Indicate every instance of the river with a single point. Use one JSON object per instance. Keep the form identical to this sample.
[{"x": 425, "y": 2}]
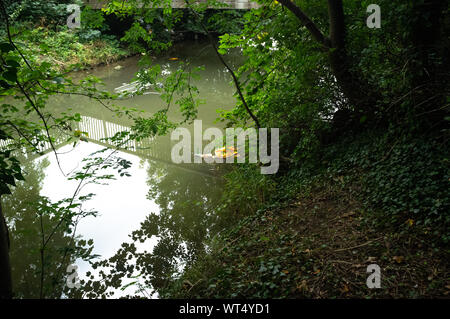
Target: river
[{"x": 181, "y": 197}]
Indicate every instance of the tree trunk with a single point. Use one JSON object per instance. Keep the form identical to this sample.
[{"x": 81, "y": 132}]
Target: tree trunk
[
  {"x": 430, "y": 63},
  {"x": 5, "y": 267},
  {"x": 355, "y": 89}
]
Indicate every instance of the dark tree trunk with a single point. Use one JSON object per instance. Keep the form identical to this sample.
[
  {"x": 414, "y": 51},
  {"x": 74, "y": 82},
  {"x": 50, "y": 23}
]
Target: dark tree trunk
[
  {"x": 5, "y": 267},
  {"x": 355, "y": 89},
  {"x": 429, "y": 68}
]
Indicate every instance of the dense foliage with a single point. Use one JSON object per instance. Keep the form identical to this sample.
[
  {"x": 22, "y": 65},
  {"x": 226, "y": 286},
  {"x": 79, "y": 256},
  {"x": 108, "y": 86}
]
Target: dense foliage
[{"x": 363, "y": 116}]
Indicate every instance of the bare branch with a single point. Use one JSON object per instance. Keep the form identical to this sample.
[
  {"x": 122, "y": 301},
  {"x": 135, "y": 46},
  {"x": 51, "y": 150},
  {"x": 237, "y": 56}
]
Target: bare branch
[{"x": 233, "y": 75}]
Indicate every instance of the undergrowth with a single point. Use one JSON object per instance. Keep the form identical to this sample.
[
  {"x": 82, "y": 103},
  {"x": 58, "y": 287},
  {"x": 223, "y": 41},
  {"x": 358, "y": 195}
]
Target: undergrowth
[
  {"x": 65, "y": 48},
  {"x": 375, "y": 198}
]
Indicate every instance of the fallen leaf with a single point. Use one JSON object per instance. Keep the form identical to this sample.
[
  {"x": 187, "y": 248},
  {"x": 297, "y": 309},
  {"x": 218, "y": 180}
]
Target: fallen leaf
[
  {"x": 345, "y": 289},
  {"x": 398, "y": 259}
]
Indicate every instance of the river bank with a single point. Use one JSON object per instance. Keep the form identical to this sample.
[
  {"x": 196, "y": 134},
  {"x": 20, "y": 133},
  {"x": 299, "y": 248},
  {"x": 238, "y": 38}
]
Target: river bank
[
  {"x": 73, "y": 51},
  {"x": 315, "y": 230}
]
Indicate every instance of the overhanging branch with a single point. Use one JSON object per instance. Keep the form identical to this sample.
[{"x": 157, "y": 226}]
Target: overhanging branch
[{"x": 307, "y": 22}]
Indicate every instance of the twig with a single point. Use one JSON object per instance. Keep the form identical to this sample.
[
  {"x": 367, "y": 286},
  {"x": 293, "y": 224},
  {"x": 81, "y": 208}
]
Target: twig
[{"x": 366, "y": 243}]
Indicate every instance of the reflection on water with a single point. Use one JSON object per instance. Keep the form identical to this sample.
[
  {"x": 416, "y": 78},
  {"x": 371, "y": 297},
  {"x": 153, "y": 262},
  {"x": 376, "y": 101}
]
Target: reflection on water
[
  {"x": 168, "y": 238},
  {"x": 162, "y": 212},
  {"x": 24, "y": 227}
]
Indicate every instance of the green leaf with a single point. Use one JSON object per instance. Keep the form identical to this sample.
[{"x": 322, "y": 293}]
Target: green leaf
[
  {"x": 8, "y": 179},
  {"x": 222, "y": 51},
  {"x": 6, "y": 47},
  {"x": 13, "y": 63},
  {"x": 19, "y": 176},
  {"x": 10, "y": 75},
  {"x": 4, "y": 189}
]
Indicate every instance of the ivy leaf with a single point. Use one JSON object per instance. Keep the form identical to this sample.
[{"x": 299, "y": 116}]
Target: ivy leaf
[
  {"x": 10, "y": 75},
  {"x": 5, "y": 47}
]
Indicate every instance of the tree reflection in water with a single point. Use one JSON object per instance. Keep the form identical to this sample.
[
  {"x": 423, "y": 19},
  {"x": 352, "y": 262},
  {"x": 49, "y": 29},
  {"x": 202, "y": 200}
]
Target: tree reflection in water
[
  {"x": 166, "y": 241},
  {"x": 22, "y": 210}
]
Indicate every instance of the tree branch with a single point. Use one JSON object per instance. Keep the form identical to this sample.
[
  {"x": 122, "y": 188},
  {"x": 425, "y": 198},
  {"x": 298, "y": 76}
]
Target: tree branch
[
  {"x": 307, "y": 22},
  {"x": 233, "y": 75}
]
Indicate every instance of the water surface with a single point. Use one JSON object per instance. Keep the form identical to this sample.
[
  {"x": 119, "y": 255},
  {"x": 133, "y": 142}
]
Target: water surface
[{"x": 183, "y": 196}]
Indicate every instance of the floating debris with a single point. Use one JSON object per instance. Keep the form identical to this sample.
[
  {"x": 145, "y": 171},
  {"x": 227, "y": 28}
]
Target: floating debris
[
  {"x": 222, "y": 152},
  {"x": 226, "y": 152},
  {"x": 133, "y": 87}
]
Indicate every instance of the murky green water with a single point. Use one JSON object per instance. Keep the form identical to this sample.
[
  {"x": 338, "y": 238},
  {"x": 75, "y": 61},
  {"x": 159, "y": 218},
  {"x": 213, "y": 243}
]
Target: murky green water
[{"x": 182, "y": 199}]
